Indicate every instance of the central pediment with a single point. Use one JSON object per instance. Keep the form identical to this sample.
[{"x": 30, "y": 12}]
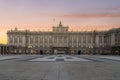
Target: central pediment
[{"x": 60, "y": 28}]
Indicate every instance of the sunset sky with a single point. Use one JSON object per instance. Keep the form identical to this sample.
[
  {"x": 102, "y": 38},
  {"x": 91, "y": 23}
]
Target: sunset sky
[{"x": 43, "y": 14}]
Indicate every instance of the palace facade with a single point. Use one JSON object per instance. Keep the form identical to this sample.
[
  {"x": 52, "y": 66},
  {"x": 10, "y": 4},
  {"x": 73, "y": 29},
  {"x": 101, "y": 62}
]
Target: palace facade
[{"x": 62, "y": 41}]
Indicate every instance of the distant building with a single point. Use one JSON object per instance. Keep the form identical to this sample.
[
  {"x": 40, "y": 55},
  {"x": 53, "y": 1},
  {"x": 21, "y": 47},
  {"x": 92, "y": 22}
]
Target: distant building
[
  {"x": 4, "y": 49},
  {"x": 61, "y": 40}
]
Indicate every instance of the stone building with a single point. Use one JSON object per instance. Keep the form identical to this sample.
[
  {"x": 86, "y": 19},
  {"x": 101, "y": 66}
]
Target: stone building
[
  {"x": 4, "y": 49},
  {"x": 62, "y": 41}
]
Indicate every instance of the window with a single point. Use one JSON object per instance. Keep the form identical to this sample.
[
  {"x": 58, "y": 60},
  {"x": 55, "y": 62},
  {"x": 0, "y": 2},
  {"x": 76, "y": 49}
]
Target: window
[
  {"x": 100, "y": 39},
  {"x": 10, "y": 39},
  {"x": 31, "y": 40},
  {"x": 79, "y": 39},
  {"x": 36, "y": 39},
  {"x": 89, "y": 39},
  {"x": 119, "y": 38},
  {"x": 105, "y": 39},
  {"x": 20, "y": 39},
  {"x": 15, "y": 40},
  {"x": 84, "y": 39}
]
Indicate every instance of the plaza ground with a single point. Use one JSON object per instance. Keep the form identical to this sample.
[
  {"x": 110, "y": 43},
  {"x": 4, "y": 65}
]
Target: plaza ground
[{"x": 59, "y": 67}]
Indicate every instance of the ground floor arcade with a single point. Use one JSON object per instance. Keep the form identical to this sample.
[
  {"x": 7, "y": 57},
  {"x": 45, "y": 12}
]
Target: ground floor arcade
[{"x": 114, "y": 50}]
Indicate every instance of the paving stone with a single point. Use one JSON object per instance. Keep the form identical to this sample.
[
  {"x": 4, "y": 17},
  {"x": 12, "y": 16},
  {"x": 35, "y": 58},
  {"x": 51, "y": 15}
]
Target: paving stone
[{"x": 16, "y": 69}]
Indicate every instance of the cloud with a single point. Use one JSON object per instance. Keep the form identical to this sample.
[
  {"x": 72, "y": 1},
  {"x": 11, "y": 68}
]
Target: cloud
[
  {"x": 117, "y": 8},
  {"x": 91, "y": 15}
]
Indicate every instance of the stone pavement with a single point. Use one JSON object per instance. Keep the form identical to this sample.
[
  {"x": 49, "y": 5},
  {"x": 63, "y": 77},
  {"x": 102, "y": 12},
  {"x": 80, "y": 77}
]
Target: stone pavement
[
  {"x": 59, "y": 58},
  {"x": 111, "y": 57},
  {"x": 57, "y": 67}
]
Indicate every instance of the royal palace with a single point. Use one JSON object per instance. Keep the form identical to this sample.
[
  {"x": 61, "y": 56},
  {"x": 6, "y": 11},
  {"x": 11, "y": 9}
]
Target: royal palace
[{"x": 62, "y": 41}]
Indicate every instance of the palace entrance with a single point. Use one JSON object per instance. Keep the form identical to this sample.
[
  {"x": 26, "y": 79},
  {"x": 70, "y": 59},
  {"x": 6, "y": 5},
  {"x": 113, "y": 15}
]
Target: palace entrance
[{"x": 60, "y": 50}]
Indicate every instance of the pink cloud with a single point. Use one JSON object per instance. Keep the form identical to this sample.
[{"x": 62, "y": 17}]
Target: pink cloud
[
  {"x": 117, "y": 8},
  {"x": 91, "y": 15}
]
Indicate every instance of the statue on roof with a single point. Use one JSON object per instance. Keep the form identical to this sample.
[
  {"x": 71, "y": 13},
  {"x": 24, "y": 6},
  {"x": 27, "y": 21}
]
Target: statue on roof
[
  {"x": 16, "y": 29},
  {"x": 60, "y": 24}
]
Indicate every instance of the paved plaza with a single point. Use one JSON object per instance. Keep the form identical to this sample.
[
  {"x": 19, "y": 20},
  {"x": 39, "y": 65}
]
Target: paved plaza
[{"x": 59, "y": 67}]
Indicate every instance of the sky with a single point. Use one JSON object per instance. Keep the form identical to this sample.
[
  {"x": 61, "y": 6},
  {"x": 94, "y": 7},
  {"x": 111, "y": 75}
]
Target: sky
[{"x": 82, "y": 15}]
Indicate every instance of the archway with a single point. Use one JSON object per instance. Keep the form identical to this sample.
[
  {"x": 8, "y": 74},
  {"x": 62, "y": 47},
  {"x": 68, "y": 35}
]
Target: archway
[
  {"x": 79, "y": 52},
  {"x": 41, "y": 52}
]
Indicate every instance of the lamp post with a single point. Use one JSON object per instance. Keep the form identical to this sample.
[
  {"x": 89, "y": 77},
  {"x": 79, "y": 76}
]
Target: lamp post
[
  {"x": 94, "y": 39},
  {"x": 30, "y": 49},
  {"x": 26, "y": 41}
]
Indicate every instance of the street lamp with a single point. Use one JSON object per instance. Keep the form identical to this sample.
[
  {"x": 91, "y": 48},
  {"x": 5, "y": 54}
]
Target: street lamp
[
  {"x": 94, "y": 39},
  {"x": 26, "y": 41}
]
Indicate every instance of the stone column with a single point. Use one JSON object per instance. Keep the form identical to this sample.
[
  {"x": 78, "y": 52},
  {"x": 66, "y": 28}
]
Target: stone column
[{"x": 112, "y": 39}]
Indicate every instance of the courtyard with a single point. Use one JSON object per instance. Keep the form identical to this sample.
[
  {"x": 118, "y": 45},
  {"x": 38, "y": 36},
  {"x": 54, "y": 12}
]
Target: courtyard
[{"x": 59, "y": 67}]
